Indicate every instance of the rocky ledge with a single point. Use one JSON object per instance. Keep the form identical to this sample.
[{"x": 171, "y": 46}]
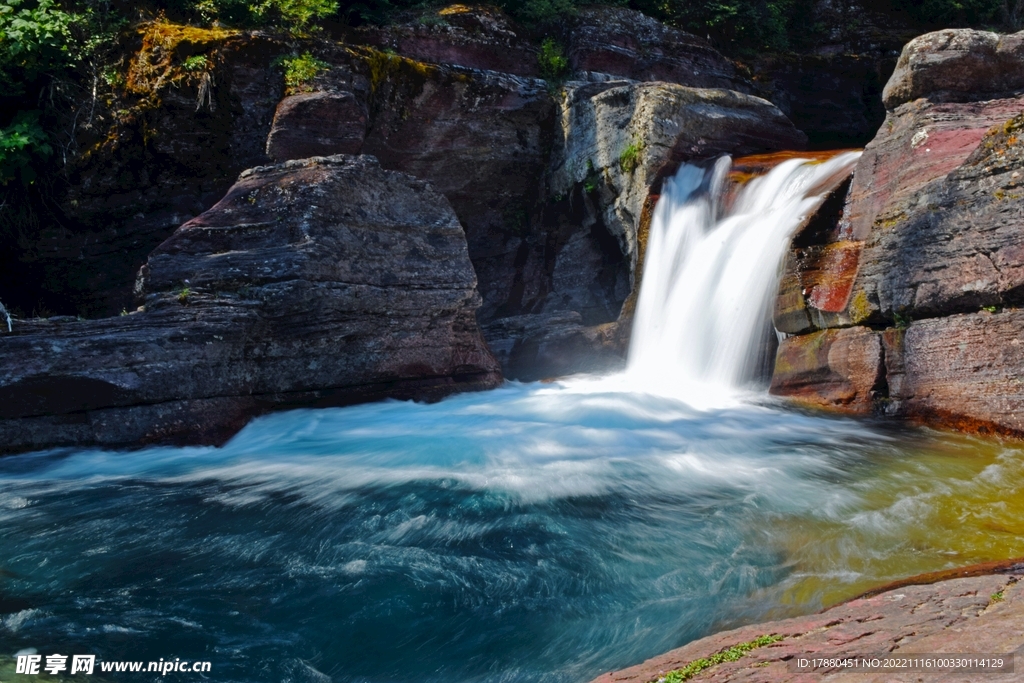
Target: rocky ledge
[
  {"x": 318, "y": 282},
  {"x": 979, "y": 612},
  {"x": 905, "y": 300}
]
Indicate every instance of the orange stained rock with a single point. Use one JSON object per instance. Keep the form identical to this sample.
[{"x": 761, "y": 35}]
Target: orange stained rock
[{"x": 746, "y": 168}]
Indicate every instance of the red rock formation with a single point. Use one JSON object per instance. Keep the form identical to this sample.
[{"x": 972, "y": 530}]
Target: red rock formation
[
  {"x": 627, "y": 44},
  {"x": 837, "y": 369},
  {"x": 931, "y": 232},
  {"x": 476, "y": 37},
  {"x": 479, "y": 137},
  {"x": 317, "y": 124}
]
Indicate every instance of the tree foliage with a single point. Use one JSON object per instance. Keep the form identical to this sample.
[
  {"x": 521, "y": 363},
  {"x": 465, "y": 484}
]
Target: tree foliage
[{"x": 21, "y": 143}]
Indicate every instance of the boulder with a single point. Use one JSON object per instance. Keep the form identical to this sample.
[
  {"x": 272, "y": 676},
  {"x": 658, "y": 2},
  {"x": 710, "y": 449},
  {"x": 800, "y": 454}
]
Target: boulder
[
  {"x": 617, "y": 141},
  {"x": 960, "y": 371},
  {"x": 930, "y": 226},
  {"x": 481, "y": 138},
  {"x": 840, "y": 370},
  {"x": 956, "y": 244},
  {"x": 318, "y": 282},
  {"x": 957, "y": 65},
  {"x": 928, "y": 247},
  {"x": 158, "y": 145},
  {"x": 624, "y": 43}
]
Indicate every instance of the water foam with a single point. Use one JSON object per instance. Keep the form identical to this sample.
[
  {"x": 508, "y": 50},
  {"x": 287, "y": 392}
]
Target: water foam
[{"x": 710, "y": 275}]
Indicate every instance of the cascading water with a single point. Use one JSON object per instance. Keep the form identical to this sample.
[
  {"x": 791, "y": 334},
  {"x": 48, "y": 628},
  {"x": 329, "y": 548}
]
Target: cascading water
[
  {"x": 710, "y": 274},
  {"x": 538, "y": 533}
]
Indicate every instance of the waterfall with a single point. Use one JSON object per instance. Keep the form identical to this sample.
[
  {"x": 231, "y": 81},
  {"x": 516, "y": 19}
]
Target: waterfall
[{"x": 711, "y": 274}]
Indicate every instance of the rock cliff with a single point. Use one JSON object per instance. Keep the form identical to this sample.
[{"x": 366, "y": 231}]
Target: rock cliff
[
  {"x": 922, "y": 266},
  {"x": 615, "y": 144},
  {"x": 322, "y": 282}
]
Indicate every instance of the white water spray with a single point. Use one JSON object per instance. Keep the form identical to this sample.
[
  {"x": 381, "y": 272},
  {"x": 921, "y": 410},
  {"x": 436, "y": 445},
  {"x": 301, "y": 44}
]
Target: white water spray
[{"x": 709, "y": 280}]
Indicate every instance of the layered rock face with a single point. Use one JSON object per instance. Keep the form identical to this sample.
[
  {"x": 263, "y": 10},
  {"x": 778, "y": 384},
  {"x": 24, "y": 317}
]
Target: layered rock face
[
  {"x": 627, "y": 44},
  {"x": 318, "y": 282},
  {"x": 551, "y": 184},
  {"x": 470, "y": 36},
  {"x": 479, "y": 137},
  {"x": 553, "y": 274},
  {"x": 616, "y": 143},
  {"x": 930, "y": 235}
]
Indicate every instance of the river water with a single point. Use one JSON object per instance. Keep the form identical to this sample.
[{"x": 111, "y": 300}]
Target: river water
[{"x": 538, "y": 532}]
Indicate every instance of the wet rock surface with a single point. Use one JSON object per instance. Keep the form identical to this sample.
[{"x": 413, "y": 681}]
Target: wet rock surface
[
  {"x": 976, "y": 614},
  {"x": 615, "y": 143},
  {"x": 929, "y": 239},
  {"x": 831, "y": 369},
  {"x": 320, "y": 282},
  {"x": 960, "y": 371}
]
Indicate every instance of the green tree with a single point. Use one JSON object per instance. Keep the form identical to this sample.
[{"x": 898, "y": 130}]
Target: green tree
[
  {"x": 36, "y": 38},
  {"x": 22, "y": 143}
]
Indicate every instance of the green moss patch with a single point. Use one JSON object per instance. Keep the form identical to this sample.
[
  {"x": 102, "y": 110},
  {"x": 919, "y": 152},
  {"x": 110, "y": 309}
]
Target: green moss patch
[{"x": 728, "y": 655}]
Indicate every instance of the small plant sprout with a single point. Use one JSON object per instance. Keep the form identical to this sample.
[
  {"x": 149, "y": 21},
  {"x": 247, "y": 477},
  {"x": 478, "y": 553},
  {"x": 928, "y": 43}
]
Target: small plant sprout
[
  {"x": 997, "y": 597},
  {"x": 630, "y": 157},
  {"x": 554, "y": 65},
  {"x": 184, "y": 293},
  {"x": 300, "y": 71},
  {"x": 196, "y": 63}
]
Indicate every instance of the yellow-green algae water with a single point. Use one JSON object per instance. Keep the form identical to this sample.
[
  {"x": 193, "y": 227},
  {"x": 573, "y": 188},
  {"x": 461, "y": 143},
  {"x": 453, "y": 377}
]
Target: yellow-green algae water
[{"x": 947, "y": 501}]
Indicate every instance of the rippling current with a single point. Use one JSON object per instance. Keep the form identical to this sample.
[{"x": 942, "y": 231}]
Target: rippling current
[{"x": 544, "y": 532}]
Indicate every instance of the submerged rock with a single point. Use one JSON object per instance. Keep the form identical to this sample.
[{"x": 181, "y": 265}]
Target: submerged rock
[{"x": 319, "y": 282}]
